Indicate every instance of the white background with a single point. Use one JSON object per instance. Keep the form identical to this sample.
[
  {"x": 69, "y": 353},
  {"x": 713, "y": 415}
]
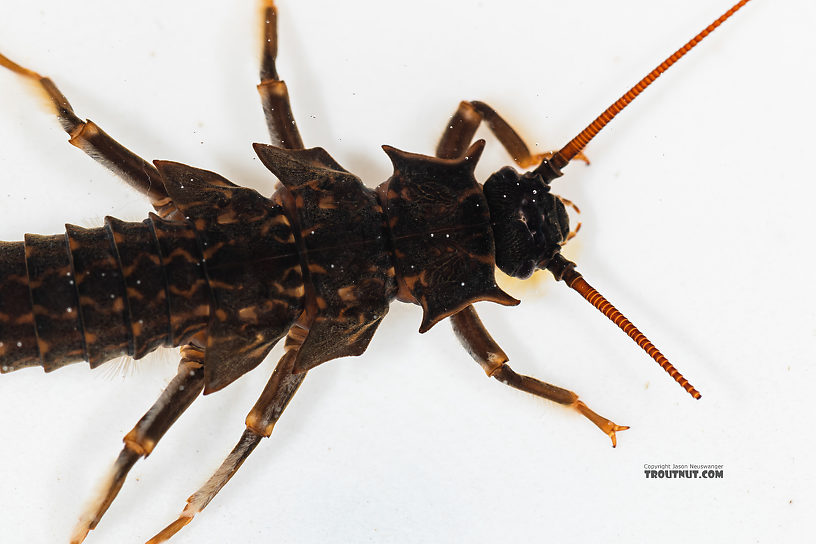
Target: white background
[{"x": 697, "y": 214}]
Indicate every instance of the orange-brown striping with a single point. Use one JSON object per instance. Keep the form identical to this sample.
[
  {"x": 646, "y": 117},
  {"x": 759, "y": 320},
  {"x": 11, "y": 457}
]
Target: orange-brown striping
[
  {"x": 606, "y": 308},
  {"x": 327, "y": 202},
  {"x": 210, "y": 251},
  {"x": 134, "y": 295},
  {"x": 222, "y": 285},
  {"x": 248, "y": 314},
  {"x": 185, "y": 282},
  {"x": 102, "y": 290},
  {"x": 25, "y": 319},
  {"x": 295, "y": 292},
  {"x": 569, "y": 151},
  {"x": 145, "y": 296},
  {"x": 191, "y": 291},
  {"x": 151, "y": 258},
  {"x": 82, "y": 134},
  {"x": 227, "y": 217},
  {"x": 338, "y": 227},
  {"x": 348, "y": 293},
  {"x": 181, "y": 253},
  {"x": 52, "y": 289}
]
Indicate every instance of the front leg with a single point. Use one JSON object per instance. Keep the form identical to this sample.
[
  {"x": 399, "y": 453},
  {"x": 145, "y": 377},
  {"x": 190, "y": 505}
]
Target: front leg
[
  {"x": 463, "y": 124},
  {"x": 481, "y": 346},
  {"x": 142, "y": 439},
  {"x": 466, "y": 324}
]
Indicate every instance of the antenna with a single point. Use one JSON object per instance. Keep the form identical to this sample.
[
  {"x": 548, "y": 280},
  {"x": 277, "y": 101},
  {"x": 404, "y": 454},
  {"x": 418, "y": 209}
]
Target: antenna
[
  {"x": 564, "y": 269},
  {"x": 561, "y": 158}
]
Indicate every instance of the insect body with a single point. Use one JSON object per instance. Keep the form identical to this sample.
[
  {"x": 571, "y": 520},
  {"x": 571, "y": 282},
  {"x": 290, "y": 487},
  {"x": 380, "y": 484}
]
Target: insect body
[{"x": 233, "y": 272}]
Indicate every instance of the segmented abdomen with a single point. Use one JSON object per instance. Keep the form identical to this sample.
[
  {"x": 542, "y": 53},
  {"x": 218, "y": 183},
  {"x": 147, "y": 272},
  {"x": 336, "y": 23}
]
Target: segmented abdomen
[{"x": 96, "y": 294}]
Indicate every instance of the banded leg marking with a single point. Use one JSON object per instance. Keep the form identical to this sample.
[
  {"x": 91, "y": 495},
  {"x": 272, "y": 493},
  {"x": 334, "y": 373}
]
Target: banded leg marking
[
  {"x": 481, "y": 346},
  {"x": 466, "y": 324},
  {"x": 274, "y": 93},
  {"x": 96, "y": 143},
  {"x": 142, "y": 439},
  {"x": 467, "y": 118},
  {"x": 260, "y": 422}
]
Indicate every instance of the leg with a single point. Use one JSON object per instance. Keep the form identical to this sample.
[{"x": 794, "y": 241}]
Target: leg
[
  {"x": 261, "y": 420},
  {"x": 139, "y": 442},
  {"x": 462, "y": 126},
  {"x": 274, "y": 94},
  {"x": 478, "y": 342},
  {"x": 466, "y": 324},
  {"x": 91, "y": 139}
]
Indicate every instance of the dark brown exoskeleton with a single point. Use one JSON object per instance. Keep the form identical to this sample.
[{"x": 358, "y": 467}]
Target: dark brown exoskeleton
[{"x": 225, "y": 273}]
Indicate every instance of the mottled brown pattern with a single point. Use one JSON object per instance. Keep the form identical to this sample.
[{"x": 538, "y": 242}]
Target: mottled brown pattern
[
  {"x": 101, "y": 289},
  {"x": 96, "y": 294},
  {"x": 230, "y": 271},
  {"x": 187, "y": 290},
  {"x": 231, "y": 267},
  {"x": 18, "y": 339},
  {"x": 147, "y": 302},
  {"x": 236, "y": 268},
  {"x": 440, "y": 229},
  {"x": 251, "y": 264},
  {"x": 345, "y": 248},
  {"x": 55, "y": 301}
]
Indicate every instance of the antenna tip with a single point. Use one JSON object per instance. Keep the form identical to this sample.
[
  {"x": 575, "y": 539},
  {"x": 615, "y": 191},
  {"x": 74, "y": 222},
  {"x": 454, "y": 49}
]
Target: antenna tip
[{"x": 684, "y": 383}]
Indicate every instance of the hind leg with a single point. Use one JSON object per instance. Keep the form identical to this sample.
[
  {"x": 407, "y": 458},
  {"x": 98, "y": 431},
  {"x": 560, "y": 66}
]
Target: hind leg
[
  {"x": 140, "y": 441},
  {"x": 260, "y": 422},
  {"x": 87, "y": 136}
]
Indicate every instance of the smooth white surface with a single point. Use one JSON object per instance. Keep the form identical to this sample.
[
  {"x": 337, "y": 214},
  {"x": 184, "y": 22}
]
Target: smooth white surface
[{"x": 697, "y": 214}]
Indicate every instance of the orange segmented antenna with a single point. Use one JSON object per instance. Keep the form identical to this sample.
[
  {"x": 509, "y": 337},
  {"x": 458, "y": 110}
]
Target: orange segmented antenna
[
  {"x": 561, "y": 158},
  {"x": 564, "y": 270}
]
